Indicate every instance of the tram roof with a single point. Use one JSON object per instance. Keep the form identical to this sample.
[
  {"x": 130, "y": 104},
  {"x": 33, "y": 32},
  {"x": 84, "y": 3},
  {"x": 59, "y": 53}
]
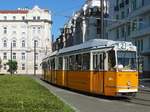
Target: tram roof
[{"x": 94, "y": 43}]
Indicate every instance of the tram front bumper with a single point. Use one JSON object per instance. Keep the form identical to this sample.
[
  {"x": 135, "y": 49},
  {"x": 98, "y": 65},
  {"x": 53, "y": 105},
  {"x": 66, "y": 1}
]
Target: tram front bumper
[{"x": 127, "y": 90}]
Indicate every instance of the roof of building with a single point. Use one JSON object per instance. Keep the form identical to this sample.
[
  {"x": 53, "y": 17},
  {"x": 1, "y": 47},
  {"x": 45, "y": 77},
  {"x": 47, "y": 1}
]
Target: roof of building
[{"x": 14, "y": 11}]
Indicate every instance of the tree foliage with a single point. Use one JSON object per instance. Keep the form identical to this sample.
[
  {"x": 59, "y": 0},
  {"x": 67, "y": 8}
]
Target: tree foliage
[{"x": 13, "y": 66}]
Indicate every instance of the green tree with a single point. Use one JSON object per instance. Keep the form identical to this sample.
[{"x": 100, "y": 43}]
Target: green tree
[{"x": 13, "y": 66}]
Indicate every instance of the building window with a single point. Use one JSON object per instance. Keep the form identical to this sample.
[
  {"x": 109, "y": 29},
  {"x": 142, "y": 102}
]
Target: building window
[
  {"x": 128, "y": 29},
  {"x": 117, "y": 16},
  {"x": 36, "y": 55},
  {"x": 117, "y": 2},
  {"x": 134, "y": 25},
  {"x": 143, "y": 2},
  {"x": 5, "y": 66},
  {"x": 98, "y": 26},
  {"x": 14, "y": 43},
  {"x": 23, "y": 43},
  {"x": 123, "y": 32},
  {"x": 34, "y": 18},
  {"x": 14, "y": 56},
  {"x": 23, "y": 17},
  {"x": 23, "y": 56},
  {"x": 23, "y": 33},
  {"x": 14, "y": 17},
  {"x": 117, "y": 33},
  {"x": 5, "y": 43},
  {"x": 141, "y": 45},
  {"x": 36, "y": 66},
  {"x": 14, "y": 32},
  {"x": 5, "y": 30},
  {"x": 5, "y": 17},
  {"x": 38, "y": 17},
  {"x": 23, "y": 67},
  {"x": 5, "y": 56},
  {"x": 134, "y": 4},
  {"x": 140, "y": 23},
  {"x": 128, "y": 11},
  {"x": 149, "y": 42},
  {"x": 39, "y": 30},
  {"x": 149, "y": 60},
  {"x": 122, "y": 15},
  {"x": 33, "y": 29},
  {"x": 35, "y": 43}
]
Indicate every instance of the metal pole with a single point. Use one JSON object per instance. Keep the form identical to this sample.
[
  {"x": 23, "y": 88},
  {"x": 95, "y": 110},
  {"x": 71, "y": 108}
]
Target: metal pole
[
  {"x": 11, "y": 58},
  {"x": 34, "y": 58},
  {"x": 102, "y": 18}
]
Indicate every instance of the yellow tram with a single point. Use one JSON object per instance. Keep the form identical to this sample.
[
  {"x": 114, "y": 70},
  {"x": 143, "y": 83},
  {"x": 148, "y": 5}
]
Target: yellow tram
[{"x": 97, "y": 66}]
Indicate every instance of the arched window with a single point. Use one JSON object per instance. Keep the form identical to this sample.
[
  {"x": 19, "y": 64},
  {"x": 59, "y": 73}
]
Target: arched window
[
  {"x": 23, "y": 43},
  {"x": 5, "y": 43},
  {"x": 14, "y": 43}
]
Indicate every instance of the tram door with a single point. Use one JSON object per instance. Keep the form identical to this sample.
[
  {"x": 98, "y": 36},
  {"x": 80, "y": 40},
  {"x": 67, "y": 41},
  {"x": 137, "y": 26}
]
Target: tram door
[{"x": 98, "y": 67}]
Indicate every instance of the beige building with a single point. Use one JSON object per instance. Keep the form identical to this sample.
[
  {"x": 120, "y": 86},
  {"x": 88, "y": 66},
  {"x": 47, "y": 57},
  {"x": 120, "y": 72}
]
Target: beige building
[{"x": 25, "y": 28}]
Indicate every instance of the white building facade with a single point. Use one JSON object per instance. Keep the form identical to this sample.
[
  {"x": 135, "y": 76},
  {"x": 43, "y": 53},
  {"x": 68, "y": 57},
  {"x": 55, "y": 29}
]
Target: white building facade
[
  {"x": 131, "y": 22},
  {"x": 24, "y": 29}
]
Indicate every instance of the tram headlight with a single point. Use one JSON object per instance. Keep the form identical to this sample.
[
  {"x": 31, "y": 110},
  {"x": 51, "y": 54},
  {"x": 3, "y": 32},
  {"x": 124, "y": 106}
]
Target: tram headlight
[{"x": 119, "y": 67}]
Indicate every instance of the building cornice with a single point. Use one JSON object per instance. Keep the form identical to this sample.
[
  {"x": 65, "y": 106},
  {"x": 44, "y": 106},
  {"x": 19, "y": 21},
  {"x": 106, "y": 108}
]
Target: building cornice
[{"x": 28, "y": 20}]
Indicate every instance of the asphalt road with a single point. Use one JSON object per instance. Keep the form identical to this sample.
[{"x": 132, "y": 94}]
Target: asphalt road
[{"x": 86, "y": 103}]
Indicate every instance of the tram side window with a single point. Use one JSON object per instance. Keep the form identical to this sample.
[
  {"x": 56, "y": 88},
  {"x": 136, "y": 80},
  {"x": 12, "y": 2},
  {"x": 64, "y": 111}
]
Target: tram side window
[
  {"x": 66, "y": 63},
  {"x": 60, "y": 64},
  {"x": 95, "y": 62},
  {"x": 49, "y": 65},
  {"x": 44, "y": 65},
  {"x": 78, "y": 62},
  {"x": 71, "y": 62},
  {"x": 86, "y": 61},
  {"x": 53, "y": 64},
  {"x": 98, "y": 62},
  {"x": 111, "y": 60}
]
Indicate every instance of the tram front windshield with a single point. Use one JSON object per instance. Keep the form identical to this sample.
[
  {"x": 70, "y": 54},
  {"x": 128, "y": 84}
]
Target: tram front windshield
[{"x": 127, "y": 59}]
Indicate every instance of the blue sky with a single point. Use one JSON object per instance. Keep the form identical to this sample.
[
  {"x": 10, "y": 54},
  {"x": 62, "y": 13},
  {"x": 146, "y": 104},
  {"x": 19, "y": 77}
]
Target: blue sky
[{"x": 60, "y": 9}]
